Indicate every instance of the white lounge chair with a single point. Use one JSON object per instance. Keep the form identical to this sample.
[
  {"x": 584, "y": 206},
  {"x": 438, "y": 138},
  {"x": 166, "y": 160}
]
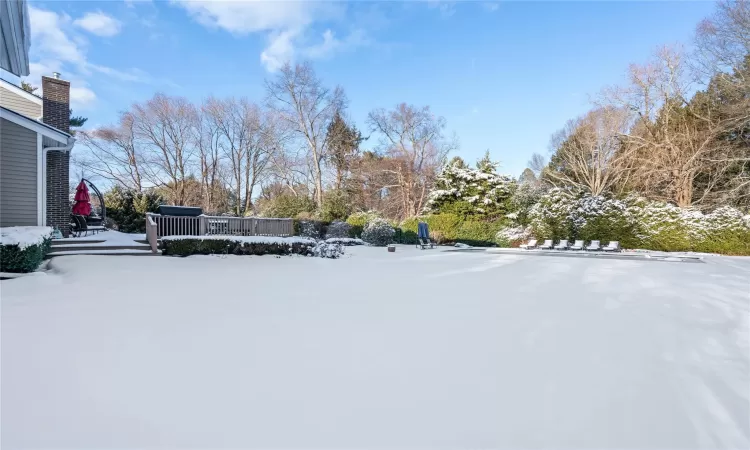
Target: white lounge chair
[
  {"x": 563, "y": 245},
  {"x": 547, "y": 245},
  {"x": 530, "y": 245},
  {"x": 613, "y": 246},
  {"x": 594, "y": 246},
  {"x": 578, "y": 245}
]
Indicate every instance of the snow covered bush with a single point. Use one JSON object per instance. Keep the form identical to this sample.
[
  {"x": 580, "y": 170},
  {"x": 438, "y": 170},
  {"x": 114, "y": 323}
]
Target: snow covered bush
[
  {"x": 345, "y": 241},
  {"x": 512, "y": 236},
  {"x": 468, "y": 192},
  {"x": 313, "y": 229},
  {"x": 661, "y": 226},
  {"x": 22, "y": 249},
  {"x": 725, "y": 230},
  {"x": 236, "y": 245},
  {"x": 596, "y": 217},
  {"x": 521, "y": 202},
  {"x": 338, "y": 230},
  {"x": 378, "y": 232},
  {"x": 551, "y": 217},
  {"x": 325, "y": 249},
  {"x": 358, "y": 220}
]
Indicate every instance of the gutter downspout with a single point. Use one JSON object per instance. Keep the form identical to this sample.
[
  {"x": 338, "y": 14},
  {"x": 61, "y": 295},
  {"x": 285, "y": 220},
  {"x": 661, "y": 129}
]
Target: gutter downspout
[{"x": 64, "y": 148}]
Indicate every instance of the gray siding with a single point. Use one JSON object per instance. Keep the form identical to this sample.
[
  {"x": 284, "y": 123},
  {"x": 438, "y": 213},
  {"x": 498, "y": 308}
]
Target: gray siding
[
  {"x": 14, "y": 102},
  {"x": 18, "y": 175}
]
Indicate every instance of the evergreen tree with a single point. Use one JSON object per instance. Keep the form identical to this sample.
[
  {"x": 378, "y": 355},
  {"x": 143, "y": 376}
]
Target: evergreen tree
[
  {"x": 343, "y": 142},
  {"x": 527, "y": 177},
  {"x": 28, "y": 87},
  {"x": 464, "y": 191}
]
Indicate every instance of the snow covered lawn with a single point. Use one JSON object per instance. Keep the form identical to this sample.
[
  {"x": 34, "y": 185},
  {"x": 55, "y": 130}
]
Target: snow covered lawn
[{"x": 377, "y": 350}]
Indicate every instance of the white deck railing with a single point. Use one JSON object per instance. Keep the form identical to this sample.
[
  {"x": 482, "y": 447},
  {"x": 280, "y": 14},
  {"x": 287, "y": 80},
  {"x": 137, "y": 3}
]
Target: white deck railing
[{"x": 158, "y": 226}]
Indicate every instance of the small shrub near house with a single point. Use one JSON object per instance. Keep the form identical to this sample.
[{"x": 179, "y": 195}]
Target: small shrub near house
[
  {"x": 378, "y": 232},
  {"x": 22, "y": 249}
]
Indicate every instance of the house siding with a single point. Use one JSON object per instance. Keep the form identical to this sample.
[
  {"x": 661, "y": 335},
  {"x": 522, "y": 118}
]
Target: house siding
[
  {"x": 18, "y": 175},
  {"x": 14, "y": 102}
]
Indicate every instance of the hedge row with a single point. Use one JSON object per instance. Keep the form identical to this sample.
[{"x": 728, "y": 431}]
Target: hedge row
[
  {"x": 234, "y": 246},
  {"x": 15, "y": 259},
  {"x": 638, "y": 223}
]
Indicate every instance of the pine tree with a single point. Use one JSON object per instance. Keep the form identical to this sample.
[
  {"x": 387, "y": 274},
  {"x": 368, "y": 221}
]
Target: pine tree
[
  {"x": 343, "y": 142},
  {"x": 464, "y": 191},
  {"x": 28, "y": 87}
]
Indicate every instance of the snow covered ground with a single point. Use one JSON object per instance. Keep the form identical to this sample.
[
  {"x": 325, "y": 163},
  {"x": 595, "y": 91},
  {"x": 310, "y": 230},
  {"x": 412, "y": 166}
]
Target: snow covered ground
[
  {"x": 408, "y": 349},
  {"x": 109, "y": 237}
]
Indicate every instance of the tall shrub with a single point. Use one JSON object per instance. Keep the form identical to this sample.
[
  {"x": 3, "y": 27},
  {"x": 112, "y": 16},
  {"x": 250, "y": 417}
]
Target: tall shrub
[{"x": 127, "y": 208}]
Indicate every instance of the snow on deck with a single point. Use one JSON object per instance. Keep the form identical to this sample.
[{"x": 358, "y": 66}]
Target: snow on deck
[
  {"x": 110, "y": 237},
  {"x": 409, "y": 349}
]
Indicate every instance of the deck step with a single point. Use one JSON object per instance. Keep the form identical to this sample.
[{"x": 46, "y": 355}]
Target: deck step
[{"x": 59, "y": 243}]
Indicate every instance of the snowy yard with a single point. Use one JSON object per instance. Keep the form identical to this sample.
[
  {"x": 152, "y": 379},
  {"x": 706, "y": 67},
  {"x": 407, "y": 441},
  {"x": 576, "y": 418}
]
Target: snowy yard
[{"x": 411, "y": 349}]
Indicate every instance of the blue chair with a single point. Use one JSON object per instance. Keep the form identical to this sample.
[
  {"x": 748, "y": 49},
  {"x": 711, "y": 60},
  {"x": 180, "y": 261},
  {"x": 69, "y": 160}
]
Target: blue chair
[{"x": 423, "y": 236}]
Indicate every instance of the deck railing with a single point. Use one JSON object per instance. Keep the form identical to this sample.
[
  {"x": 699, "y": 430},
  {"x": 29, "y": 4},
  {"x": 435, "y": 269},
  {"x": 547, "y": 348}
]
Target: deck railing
[{"x": 158, "y": 226}]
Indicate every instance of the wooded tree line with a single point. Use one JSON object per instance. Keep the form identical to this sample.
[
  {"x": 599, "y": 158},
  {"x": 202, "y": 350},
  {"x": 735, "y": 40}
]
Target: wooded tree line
[
  {"x": 678, "y": 130},
  {"x": 293, "y": 153}
]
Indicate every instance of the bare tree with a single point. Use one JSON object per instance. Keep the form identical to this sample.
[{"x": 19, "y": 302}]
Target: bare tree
[
  {"x": 588, "y": 152},
  {"x": 208, "y": 141},
  {"x": 113, "y": 153},
  {"x": 165, "y": 125},
  {"x": 413, "y": 138},
  {"x": 675, "y": 141},
  {"x": 723, "y": 41},
  {"x": 537, "y": 163},
  {"x": 300, "y": 99}
]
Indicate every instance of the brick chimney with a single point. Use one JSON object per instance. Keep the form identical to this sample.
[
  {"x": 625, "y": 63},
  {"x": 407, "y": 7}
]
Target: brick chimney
[
  {"x": 56, "y": 113},
  {"x": 56, "y": 102}
]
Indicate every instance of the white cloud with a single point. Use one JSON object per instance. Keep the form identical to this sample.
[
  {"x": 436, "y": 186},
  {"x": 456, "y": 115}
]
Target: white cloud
[
  {"x": 286, "y": 26},
  {"x": 279, "y": 50},
  {"x": 491, "y": 6},
  {"x": 81, "y": 97},
  {"x": 99, "y": 24},
  {"x": 48, "y": 37},
  {"x": 132, "y": 3},
  {"x": 55, "y": 47}
]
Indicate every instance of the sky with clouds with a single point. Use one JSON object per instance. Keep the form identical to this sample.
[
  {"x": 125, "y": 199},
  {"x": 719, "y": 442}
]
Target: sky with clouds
[{"x": 505, "y": 75}]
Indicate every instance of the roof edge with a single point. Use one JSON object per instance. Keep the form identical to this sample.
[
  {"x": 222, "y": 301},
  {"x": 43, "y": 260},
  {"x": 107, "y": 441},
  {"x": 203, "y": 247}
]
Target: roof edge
[
  {"x": 27, "y": 95},
  {"x": 34, "y": 125}
]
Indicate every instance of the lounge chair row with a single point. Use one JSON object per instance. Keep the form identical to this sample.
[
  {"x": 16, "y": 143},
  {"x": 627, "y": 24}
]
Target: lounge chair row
[{"x": 564, "y": 244}]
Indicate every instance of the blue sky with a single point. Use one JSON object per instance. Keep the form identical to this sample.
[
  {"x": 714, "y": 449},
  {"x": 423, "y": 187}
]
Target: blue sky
[{"x": 505, "y": 75}]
